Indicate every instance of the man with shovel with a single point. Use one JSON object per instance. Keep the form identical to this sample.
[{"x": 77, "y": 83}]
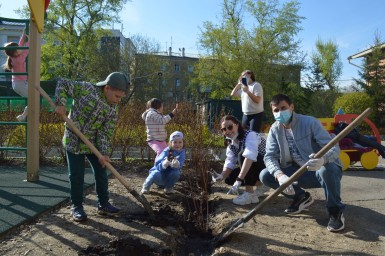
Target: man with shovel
[
  {"x": 94, "y": 111},
  {"x": 291, "y": 143}
]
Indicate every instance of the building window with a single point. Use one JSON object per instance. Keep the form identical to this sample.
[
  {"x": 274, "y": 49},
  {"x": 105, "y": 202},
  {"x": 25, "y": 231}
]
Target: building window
[
  {"x": 177, "y": 67},
  {"x": 177, "y": 82},
  {"x": 190, "y": 68}
]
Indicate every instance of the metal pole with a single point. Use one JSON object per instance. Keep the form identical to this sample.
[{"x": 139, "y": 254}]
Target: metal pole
[{"x": 160, "y": 81}]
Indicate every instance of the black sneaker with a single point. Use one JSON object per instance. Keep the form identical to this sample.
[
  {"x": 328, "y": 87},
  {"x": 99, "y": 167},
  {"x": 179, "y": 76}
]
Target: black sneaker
[
  {"x": 78, "y": 213},
  {"x": 108, "y": 210},
  {"x": 336, "y": 222},
  {"x": 299, "y": 203}
]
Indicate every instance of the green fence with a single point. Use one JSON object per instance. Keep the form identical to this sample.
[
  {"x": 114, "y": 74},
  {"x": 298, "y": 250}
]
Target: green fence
[{"x": 212, "y": 110}]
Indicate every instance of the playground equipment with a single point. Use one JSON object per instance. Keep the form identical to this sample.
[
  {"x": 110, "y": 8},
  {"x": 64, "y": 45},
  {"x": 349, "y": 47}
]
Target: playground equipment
[
  {"x": 349, "y": 155},
  {"x": 12, "y": 102}
]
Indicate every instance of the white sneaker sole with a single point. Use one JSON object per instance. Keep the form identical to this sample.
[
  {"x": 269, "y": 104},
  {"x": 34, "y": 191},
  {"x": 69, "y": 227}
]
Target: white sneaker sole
[
  {"x": 302, "y": 207},
  {"x": 339, "y": 229},
  {"x": 255, "y": 201}
]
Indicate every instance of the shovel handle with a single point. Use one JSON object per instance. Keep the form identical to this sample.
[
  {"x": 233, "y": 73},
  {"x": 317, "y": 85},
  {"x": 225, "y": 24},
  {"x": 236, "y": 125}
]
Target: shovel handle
[
  {"x": 295, "y": 176},
  {"x": 94, "y": 150},
  {"x": 73, "y": 127},
  {"x": 303, "y": 168}
]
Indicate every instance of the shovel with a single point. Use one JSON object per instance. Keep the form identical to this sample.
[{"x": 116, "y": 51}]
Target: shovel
[
  {"x": 240, "y": 222},
  {"x": 72, "y": 126}
]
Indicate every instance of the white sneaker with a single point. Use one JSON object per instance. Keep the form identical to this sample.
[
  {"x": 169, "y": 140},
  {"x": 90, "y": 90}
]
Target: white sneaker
[
  {"x": 21, "y": 118},
  {"x": 169, "y": 190},
  {"x": 145, "y": 191},
  {"x": 261, "y": 190},
  {"x": 246, "y": 198}
]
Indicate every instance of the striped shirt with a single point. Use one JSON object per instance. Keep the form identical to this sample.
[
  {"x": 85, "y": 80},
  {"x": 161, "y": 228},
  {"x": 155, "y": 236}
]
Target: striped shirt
[{"x": 156, "y": 124}]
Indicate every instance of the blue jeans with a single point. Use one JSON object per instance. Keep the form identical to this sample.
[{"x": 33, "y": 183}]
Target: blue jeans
[
  {"x": 166, "y": 178},
  {"x": 76, "y": 169},
  {"x": 253, "y": 122},
  {"x": 328, "y": 177}
]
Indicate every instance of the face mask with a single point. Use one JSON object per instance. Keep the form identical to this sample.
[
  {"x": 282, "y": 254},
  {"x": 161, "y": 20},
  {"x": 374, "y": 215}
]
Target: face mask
[
  {"x": 283, "y": 116},
  {"x": 233, "y": 138}
]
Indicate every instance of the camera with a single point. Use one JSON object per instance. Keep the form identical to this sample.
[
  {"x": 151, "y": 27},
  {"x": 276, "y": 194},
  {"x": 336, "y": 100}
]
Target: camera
[
  {"x": 244, "y": 80},
  {"x": 170, "y": 156}
]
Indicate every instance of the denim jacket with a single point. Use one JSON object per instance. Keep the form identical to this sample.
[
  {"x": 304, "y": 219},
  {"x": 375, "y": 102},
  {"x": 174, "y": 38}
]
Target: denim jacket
[{"x": 309, "y": 137}]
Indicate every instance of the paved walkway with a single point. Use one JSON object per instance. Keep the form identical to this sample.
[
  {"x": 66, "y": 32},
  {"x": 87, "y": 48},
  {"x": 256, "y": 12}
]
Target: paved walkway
[{"x": 21, "y": 201}]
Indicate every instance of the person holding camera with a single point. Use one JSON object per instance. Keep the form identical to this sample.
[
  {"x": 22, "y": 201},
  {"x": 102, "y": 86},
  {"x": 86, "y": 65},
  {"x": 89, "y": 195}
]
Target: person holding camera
[{"x": 251, "y": 93}]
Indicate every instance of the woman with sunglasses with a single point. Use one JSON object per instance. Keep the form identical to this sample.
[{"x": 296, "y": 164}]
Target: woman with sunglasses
[
  {"x": 251, "y": 93},
  {"x": 244, "y": 160}
]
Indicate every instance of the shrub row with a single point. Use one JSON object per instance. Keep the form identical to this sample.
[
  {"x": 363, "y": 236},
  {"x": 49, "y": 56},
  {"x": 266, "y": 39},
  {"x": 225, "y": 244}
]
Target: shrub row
[{"x": 130, "y": 131}]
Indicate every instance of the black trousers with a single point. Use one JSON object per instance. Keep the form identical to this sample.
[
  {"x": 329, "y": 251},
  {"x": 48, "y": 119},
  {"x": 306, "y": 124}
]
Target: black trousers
[{"x": 253, "y": 174}]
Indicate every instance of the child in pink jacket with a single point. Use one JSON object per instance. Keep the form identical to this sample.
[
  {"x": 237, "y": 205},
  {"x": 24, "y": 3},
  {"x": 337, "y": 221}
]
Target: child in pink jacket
[{"x": 16, "y": 62}]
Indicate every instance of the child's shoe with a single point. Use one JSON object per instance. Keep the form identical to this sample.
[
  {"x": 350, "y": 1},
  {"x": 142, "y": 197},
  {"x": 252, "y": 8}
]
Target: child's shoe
[
  {"x": 21, "y": 118},
  {"x": 108, "y": 210},
  {"x": 145, "y": 188},
  {"x": 169, "y": 191},
  {"x": 78, "y": 213},
  {"x": 145, "y": 191}
]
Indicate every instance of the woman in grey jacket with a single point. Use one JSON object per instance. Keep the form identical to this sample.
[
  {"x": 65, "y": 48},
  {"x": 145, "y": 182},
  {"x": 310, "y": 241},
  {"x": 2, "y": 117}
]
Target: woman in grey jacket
[{"x": 291, "y": 143}]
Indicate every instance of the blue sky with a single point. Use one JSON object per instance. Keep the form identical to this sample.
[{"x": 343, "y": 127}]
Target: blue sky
[{"x": 351, "y": 24}]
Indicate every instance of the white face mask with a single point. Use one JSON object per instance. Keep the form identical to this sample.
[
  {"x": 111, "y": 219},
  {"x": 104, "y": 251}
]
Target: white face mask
[{"x": 233, "y": 138}]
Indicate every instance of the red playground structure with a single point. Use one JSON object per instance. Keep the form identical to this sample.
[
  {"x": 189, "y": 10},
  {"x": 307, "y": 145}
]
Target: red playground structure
[{"x": 350, "y": 152}]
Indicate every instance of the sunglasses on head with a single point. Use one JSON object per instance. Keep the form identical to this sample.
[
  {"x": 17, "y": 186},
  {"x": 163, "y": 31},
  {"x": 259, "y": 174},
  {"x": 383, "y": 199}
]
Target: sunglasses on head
[{"x": 229, "y": 128}]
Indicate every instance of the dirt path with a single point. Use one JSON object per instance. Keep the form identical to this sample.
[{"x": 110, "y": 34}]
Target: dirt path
[{"x": 271, "y": 232}]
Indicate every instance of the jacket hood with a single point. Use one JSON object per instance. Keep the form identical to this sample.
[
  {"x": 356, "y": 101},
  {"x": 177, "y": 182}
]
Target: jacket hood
[{"x": 144, "y": 114}]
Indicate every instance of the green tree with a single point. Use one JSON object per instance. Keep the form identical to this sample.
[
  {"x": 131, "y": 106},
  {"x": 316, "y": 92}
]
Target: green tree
[
  {"x": 264, "y": 44},
  {"x": 326, "y": 66},
  {"x": 321, "y": 102},
  {"x": 353, "y": 103},
  {"x": 373, "y": 79},
  {"x": 73, "y": 30}
]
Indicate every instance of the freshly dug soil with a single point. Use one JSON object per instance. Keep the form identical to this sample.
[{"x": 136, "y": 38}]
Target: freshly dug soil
[{"x": 186, "y": 225}]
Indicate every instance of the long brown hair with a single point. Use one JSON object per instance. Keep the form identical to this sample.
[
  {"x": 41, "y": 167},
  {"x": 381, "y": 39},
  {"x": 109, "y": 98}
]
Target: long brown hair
[
  {"x": 241, "y": 130},
  {"x": 10, "y": 53},
  {"x": 252, "y": 76}
]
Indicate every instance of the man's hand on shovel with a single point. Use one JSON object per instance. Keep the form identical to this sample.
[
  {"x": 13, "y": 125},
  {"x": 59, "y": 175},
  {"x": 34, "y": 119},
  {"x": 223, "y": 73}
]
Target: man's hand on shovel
[
  {"x": 61, "y": 110},
  {"x": 104, "y": 160}
]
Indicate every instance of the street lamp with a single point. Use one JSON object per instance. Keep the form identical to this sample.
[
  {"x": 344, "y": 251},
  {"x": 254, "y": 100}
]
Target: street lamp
[{"x": 160, "y": 74}]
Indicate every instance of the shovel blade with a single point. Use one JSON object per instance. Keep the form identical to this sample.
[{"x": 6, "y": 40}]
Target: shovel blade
[{"x": 226, "y": 232}]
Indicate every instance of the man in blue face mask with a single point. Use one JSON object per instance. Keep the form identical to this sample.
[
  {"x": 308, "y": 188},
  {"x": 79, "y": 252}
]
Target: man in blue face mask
[{"x": 291, "y": 143}]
